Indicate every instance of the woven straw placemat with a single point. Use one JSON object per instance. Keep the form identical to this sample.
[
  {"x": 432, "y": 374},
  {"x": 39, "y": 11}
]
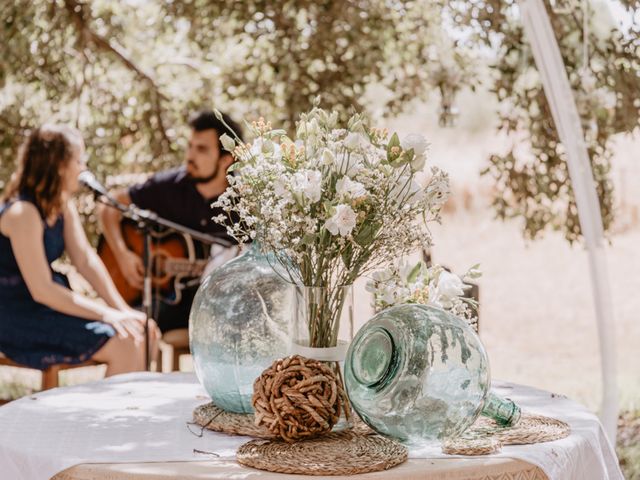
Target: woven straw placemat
[
  {"x": 340, "y": 453},
  {"x": 485, "y": 436},
  {"x": 211, "y": 417}
]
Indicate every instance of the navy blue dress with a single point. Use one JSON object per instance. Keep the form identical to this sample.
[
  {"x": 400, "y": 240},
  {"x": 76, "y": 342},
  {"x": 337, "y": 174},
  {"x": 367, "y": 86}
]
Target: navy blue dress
[{"x": 31, "y": 333}]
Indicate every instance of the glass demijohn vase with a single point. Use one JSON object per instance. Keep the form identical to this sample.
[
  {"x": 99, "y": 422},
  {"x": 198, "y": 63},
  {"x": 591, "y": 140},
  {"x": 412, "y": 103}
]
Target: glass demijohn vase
[
  {"x": 419, "y": 374},
  {"x": 238, "y": 327}
]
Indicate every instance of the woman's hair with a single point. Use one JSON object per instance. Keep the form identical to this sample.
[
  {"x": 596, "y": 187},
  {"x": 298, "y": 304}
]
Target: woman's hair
[{"x": 46, "y": 152}]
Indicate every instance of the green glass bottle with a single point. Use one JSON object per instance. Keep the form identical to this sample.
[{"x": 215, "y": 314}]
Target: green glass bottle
[{"x": 503, "y": 411}]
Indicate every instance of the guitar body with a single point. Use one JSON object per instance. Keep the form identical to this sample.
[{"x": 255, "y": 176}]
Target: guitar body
[{"x": 173, "y": 258}]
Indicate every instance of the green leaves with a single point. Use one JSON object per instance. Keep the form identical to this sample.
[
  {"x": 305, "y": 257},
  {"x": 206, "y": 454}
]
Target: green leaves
[
  {"x": 347, "y": 256},
  {"x": 415, "y": 271},
  {"x": 532, "y": 180},
  {"x": 367, "y": 233},
  {"x": 234, "y": 166},
  {"x": 393, "y": 149},
  {"x": 256, "y": 57}
]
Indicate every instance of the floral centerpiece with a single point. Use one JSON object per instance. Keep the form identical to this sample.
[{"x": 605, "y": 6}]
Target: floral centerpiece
[
  {"x": 332, "y": 203},
  {"x": 404, "y": 283}
]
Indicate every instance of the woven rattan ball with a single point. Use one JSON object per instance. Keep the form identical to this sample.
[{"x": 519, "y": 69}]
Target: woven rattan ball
[{"x": 297, "y": 398}]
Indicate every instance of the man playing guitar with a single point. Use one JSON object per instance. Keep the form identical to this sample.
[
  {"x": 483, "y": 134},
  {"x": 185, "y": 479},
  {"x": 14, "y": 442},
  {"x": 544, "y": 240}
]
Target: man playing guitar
[{"x": 182, "y": 195}]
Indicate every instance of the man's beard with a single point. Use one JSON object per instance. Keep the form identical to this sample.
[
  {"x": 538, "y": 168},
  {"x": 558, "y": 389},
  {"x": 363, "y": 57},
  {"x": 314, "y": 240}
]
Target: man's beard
[{"x": 205, "y": 179}]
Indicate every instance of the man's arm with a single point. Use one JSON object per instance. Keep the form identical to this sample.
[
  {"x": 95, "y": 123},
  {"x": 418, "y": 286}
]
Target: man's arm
[{"x": 130, "y": 264}]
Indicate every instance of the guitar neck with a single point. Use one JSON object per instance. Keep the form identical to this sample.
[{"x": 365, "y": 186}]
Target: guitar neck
[{"x": 184, "y": 267}]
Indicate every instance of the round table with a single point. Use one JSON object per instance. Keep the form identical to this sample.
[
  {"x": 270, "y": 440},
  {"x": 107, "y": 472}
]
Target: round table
[
  {"x": 134, "y": 427},
  {"x": 415, "y": 468}
]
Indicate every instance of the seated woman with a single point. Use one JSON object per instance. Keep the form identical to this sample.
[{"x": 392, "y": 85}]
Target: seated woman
[{"x": 42, "y": 321}]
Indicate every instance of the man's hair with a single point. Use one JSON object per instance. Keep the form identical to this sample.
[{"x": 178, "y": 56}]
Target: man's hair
[{"x": 207, "y": 120}]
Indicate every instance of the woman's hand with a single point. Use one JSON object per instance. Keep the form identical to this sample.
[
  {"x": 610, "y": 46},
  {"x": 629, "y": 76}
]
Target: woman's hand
[
  {"x": 136, "y": 314},
  {"x": 126, "y": 323},
  {"x": 141, "y": 317}
]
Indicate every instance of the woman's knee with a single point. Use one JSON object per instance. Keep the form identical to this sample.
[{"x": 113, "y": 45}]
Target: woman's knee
[{"x": 121, "y": 350}]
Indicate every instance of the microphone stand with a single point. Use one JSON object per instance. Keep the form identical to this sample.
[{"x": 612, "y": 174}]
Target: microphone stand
[{"x": 146, "y": 221}]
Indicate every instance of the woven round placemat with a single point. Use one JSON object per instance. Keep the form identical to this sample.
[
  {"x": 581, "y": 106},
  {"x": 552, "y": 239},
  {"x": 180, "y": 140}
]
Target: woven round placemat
[
  {"x": 340, "y": 453},
  {"x": 485, "y": 436},
  {"x": 211, "y": 417}
]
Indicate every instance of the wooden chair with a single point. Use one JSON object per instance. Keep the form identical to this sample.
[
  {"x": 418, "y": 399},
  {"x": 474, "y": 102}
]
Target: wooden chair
[
  {"x": 173, "y": 344},
  {"x": 50, "y": 375}
]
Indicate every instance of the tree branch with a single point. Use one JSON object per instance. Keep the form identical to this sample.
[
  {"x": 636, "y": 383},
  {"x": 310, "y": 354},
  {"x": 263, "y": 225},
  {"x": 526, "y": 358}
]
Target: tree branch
[{"x": 87, "y": 35}]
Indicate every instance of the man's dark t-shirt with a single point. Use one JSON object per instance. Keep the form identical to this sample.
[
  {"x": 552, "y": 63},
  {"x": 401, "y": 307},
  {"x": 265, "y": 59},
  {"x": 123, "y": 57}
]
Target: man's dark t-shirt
[{"x": 173, "y": 196}]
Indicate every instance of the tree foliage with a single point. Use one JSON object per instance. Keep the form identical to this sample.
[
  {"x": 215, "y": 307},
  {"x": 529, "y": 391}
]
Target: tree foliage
[
  {"x": 128, "y": 72},
  {"x": 603, "y": 67}
]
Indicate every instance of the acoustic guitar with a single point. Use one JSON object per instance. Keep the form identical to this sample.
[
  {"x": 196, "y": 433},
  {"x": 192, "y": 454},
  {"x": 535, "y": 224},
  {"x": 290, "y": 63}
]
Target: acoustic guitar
[{"x": 175, "y": 263}]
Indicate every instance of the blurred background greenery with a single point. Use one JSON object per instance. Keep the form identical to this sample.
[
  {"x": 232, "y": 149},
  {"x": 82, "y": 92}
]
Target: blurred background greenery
[{"x": 128, "y": 72}]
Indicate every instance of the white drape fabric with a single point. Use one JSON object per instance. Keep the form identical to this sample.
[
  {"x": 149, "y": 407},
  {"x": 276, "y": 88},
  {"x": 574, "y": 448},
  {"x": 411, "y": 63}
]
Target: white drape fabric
[
  {"x": 558, "y": 91},
  {"x": 143, "y": 417}
]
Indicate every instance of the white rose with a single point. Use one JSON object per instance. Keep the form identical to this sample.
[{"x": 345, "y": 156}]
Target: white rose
[
  {"x": 308, "y": 183},
  {"x": 281, "y": 190},
  {"x": 449, "y": 288},
  {"x": 588, "y": 81},
  {"x": 342, "y": 222},
  {"x": 382, "y": 275},
  {"x": 345, "y": 187},
  {"x": 422, "y": 179},
  {"x": 313, "y": 190},
  {"x": 354, "y": 141},
  {"x": 416, "y": 142},
  {"x": 328, "y": 158},
  {"x": 607, "y": 98},
  {"x": 418, "y": 162},
  {"x": 597, "y": 64},
  {"x": 388, "y": 295},
  {"x": 349, "y": 164}
]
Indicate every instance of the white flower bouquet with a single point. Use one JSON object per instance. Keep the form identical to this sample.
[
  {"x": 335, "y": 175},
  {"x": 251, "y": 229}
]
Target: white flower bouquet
[
  {"x": 435, "y": 286},
  {"x": 332, "y": 203}
]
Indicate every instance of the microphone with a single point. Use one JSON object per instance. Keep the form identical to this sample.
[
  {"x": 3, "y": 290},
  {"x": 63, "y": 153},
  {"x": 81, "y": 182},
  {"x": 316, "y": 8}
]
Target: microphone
[{"x": 89, "y": 180}]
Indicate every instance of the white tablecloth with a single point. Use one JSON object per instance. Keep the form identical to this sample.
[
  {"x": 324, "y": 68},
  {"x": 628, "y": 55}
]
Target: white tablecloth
[{"x": 142, "y": 418}]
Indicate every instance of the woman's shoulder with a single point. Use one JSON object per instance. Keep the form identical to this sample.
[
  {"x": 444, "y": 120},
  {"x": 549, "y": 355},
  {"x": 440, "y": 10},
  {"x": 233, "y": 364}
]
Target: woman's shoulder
[
  {"x": 20, "y": 212},
  {"x": 20, "y": 208}
]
